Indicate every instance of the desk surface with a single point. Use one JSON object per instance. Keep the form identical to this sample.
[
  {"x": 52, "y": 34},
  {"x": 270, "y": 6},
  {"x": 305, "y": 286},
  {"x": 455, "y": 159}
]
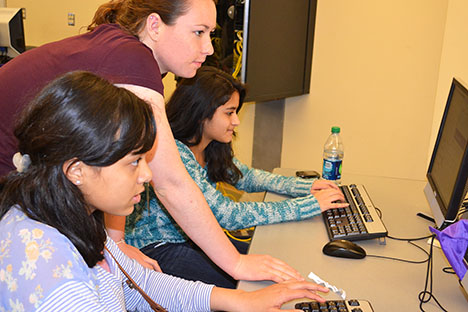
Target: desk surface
[{"x": 388, "y": 284}]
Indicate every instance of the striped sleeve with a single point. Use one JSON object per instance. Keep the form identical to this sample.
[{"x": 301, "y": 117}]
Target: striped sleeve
[
  {"x": 77, "y": 296},
  {"x": 172, "y": 293}
]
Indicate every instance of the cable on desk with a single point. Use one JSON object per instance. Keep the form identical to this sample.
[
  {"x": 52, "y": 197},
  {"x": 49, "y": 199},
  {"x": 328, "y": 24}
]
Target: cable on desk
[
  {"x": 429, "y": 280},
  {"x": 409, "y": 240},
  {"x": 448, "y": 270},
  {"x": 404, "y": 260},
  {"x": 425, "y": 295}
]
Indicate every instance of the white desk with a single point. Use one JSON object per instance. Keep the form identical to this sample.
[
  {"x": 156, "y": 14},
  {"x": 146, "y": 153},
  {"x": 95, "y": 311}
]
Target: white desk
[{"x": 389, "y": 285}]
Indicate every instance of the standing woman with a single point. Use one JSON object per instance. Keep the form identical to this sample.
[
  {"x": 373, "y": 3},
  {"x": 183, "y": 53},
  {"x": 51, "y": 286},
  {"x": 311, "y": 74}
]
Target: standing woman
[
  {"x": 82, "y": 146},
  {"x": 132, "y": 43},
  {"x": 202, "y": 113}
]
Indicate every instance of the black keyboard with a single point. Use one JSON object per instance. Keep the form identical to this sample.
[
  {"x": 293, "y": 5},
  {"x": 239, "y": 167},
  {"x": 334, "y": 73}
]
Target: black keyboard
[
  {"x": 352, "y": 305},
  {"x": 358, "y": 221}
]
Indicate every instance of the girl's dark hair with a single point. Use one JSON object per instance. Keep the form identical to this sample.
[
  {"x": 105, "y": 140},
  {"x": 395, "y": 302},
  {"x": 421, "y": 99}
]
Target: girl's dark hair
[
  {"x": 79, "y": 117},
  {"x": 131, "y": 14},
  {"x": 196, "y": 100}
]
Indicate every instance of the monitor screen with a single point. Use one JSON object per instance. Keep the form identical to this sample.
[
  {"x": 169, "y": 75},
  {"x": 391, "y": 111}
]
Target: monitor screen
[
  {"x": 448, "y": 170},
  {"x": 12, "y": 31}
]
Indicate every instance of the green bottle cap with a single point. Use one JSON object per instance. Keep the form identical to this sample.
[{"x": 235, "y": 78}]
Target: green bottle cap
[{"x": 335, "y": 129}]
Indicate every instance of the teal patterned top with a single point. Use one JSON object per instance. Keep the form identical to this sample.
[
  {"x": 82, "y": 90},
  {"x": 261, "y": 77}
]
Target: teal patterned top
[{"x": 147, "y": 225}]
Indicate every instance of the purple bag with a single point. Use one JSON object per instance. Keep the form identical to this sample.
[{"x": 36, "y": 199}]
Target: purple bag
[{"x": 454, "y": 242}]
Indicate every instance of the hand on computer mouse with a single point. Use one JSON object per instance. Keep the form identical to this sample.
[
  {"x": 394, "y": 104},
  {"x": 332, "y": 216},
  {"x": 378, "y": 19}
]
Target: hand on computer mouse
[
  {"x": 343, "y": 249},
  {"x": 330, "y": 198}
]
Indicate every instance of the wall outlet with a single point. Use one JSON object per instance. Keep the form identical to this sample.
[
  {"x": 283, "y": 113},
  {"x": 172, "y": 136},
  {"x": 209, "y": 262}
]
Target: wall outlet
[{"x": 71, "y": 19}]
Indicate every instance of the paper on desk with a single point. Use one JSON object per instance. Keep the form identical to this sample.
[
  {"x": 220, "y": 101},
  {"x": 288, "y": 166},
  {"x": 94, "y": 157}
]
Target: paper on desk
[{"x": 336, "y": 290}]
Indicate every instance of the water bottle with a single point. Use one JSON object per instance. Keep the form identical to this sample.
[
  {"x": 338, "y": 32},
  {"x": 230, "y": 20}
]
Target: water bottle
[{"x": 333, "y": 156}]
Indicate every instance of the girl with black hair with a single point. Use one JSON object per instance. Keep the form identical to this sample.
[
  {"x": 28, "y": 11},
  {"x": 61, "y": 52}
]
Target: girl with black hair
[
  {"x": 82, "y": 148},
  {"x": 202, "y": 113}
]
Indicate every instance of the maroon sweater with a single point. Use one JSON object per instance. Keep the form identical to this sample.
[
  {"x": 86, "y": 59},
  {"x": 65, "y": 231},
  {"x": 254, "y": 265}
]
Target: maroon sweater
[{"x": 107, "y": 51}]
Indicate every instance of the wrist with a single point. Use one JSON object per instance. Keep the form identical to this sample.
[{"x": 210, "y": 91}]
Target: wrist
[
  {"x": 236, "y": 267},
  {"x": 120, "y": 241},
  {"x": 223, "y": 299}
]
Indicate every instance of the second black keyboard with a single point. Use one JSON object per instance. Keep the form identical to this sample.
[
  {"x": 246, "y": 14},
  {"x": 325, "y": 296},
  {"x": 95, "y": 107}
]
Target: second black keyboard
[
  {"x": 359, "y": 221},
  {"x": 352, "y": 305}
]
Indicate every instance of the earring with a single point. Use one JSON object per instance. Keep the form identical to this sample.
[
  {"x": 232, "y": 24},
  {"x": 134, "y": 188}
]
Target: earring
[{"x": 78, "y": 182}]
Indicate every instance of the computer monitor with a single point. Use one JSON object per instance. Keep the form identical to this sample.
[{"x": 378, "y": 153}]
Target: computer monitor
[
  {"x": 12, "y": 31},
  {"x": 267, "y": 44},
  {"x": 448, "y": 170}
]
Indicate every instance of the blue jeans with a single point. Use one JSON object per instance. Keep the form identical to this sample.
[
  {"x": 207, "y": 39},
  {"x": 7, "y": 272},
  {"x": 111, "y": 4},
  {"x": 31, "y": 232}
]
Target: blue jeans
[{"x": 188, "y": 261}]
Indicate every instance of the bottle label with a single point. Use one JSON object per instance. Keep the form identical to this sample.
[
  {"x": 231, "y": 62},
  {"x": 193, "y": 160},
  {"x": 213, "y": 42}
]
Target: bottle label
[{"x": 332, "y": 169}]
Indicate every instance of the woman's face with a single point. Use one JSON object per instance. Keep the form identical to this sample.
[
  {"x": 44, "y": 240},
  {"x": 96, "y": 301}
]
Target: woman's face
[
  {"x": 116, "y": 188},
  {"x": 221, "y": 126},
  {"x": 184, "y": 46}
]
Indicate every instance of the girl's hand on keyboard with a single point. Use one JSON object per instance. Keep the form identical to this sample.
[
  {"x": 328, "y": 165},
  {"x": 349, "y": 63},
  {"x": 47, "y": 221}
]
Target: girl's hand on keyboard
[
  {"x": 322, "y": 185},
  {"x": 330, "y": 198},
  {"x": 269, "y": 299}
]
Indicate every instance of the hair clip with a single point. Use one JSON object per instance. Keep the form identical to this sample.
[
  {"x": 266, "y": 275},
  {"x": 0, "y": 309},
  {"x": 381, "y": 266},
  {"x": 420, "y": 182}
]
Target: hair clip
[{"x": 21, "y": 162}]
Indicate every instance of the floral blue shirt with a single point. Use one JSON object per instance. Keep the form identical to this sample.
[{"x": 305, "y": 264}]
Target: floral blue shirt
[
  {"x": 41, "y": 270},
  {"x": 147, "y": 225}
]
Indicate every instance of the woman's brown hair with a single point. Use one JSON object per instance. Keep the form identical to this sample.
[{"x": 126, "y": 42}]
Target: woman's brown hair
[{"x": 131, "y": 14}]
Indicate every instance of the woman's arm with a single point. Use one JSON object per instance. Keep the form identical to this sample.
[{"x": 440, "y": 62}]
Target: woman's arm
[
  {"x": 186, "y": 204},
  {"x": 115, "y": 226}
]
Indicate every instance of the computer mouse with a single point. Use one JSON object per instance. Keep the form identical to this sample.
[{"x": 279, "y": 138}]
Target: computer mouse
[{"x": 344, "y": 249}]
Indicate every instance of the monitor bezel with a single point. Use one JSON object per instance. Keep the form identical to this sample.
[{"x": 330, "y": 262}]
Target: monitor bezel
[
  {"x": 450, "y": 212},
  {"x": 11, "y": 19}
]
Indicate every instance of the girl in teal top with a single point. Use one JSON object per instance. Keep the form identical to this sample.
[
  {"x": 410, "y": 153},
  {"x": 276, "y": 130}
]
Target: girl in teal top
[{"x": 203, "y": 115}]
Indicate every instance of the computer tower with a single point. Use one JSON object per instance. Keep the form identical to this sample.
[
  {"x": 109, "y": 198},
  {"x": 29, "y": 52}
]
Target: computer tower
[{"x": 267, "y": 44}]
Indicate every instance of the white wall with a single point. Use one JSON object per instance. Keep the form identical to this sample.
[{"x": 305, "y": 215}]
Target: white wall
[
  {"x": 454, "y": 60},
  {"x": 243, "y": 142},
  {"x": 381, "y": 70},
  {"x": 374, "y": 73},
  {"x": 46, "y": 20}
]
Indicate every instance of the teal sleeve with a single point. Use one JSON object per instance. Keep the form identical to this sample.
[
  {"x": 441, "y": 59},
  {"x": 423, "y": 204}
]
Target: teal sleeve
[
  {"x": 256, "y": 180},
  {"x": 233, "y": 215}
]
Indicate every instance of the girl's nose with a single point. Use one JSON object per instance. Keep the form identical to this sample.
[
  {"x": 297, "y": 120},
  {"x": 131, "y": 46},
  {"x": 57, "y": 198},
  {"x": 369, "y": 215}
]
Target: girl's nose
[
  {"x": 235, "y": 120},
  {"x": 145, "y": 172}
]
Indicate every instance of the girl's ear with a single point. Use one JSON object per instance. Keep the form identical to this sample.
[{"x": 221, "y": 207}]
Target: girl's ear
[
  {"x": 154, "y": 26},
  {"x": 73, "y": 170}
]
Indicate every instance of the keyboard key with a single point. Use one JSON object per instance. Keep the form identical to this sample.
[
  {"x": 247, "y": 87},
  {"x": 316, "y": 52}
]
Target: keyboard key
[{"x": 353, "y": 303}]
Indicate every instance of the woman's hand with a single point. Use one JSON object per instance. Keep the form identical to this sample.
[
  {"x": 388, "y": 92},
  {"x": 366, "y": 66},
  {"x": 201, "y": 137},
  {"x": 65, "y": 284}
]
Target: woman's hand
[
  {"x": 141, "y": 258},
  {"x": 269, "y": 299},
  {"x": 264, "y": 267}
]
